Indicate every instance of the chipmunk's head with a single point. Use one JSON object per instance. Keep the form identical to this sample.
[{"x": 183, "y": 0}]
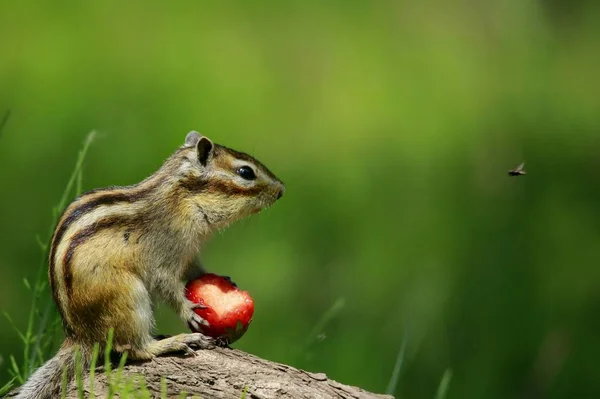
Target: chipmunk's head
[{"x": 224, "y": 185}]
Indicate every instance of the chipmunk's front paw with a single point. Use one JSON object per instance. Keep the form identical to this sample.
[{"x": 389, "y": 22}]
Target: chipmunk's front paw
[{"x": 193, "y": 320}]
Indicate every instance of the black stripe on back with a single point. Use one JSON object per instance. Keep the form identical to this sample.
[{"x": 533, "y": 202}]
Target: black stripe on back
[
  {"x": 128, "y": 194},
  {"x": 81, "y": 237}
]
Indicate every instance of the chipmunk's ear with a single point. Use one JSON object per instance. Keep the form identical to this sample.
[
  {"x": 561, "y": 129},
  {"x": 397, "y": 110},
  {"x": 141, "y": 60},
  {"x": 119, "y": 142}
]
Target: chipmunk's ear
[
  {"x": 192, "y": 139},
  {"x": 205, "y": 150}
]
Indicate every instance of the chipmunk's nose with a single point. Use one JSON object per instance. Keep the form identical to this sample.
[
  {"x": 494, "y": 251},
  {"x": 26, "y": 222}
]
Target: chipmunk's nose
[{"x": 281, "y": 191}]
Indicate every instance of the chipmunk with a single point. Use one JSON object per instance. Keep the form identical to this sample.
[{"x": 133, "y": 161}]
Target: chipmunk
[{"x": 116, "y": 250}]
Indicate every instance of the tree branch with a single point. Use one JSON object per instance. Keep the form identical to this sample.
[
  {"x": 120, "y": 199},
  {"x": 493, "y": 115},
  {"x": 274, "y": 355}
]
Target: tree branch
[{"x": 224, "y": 373}]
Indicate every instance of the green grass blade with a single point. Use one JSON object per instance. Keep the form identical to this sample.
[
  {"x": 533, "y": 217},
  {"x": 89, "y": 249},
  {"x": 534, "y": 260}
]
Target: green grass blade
[
  {"x": 48, "y": 347},
  {"x": 78, "y": 165},
  {"x": 7, "y": 387},
  {"x": 79, "y": 373},
  {"x": 244, "y": 392},
  {"x": 393, "y": 383},
  {"x": 37, "y": 346},
  {"x": 40, "y": 287},
  {"x": 43, "y": 246},
  {"x": 4, "y": 121},
  {"x": 79, "y": 186},
  {"x": 141, "y": 388},
  {"x": 63, "y": 384},
  {"x": 163, "y": 388},
  {"x": 444, "y": 384},
  {"x": 329, "y": 315},
  {"x": 93, "y": 362},
  {"x": 108, "y": 349},
  {"x": 12, "y": 324},
  {"x": 122, "y": 363},
  {"x": 107, "y": 365},
  {"x": 15, "y": 370},
  {"x": 40, "y": 334},
  {"x": 116, "y": 383}
]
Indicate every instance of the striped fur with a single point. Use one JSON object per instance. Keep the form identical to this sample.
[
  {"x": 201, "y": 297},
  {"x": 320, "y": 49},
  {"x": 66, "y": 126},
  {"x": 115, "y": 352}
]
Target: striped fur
[{"x": 116, "y": 249}]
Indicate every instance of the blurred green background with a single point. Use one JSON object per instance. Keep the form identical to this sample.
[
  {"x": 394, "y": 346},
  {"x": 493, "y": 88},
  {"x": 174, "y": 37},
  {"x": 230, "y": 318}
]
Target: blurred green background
[{"x": 393, "y": 125}]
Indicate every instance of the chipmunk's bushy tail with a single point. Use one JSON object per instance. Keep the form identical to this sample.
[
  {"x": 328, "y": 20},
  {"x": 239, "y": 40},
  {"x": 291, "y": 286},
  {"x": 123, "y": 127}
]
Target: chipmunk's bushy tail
[{"x": 46, "y": 381}]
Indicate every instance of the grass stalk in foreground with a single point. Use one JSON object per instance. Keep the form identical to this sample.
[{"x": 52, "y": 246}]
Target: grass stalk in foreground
[
  {"x": 79, "y": 372},
  {"x": 444, "y": 384},
  {"x": 317, "y": 333},
  {"x": 391, "y": 388},
  {"x": 4, "y": 120},
  {"x": 95, "y": 354},
  {"x": 39, "y": 342}
]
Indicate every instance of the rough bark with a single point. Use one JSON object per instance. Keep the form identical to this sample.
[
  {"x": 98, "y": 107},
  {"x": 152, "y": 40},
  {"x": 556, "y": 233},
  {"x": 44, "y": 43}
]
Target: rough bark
[{"x": 224, "y": 373}]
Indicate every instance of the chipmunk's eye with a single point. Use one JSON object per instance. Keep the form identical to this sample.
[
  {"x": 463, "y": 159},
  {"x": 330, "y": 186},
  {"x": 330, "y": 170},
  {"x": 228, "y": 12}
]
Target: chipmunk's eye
[{"x": 246, "y": 172}]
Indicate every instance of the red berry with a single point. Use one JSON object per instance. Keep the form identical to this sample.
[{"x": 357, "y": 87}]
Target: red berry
[{"x": 228, "y": 309}]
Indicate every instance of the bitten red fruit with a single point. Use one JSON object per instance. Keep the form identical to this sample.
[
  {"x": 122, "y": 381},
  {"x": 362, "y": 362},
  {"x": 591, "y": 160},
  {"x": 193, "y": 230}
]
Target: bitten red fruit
[{"x": 228, "y": 309}]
